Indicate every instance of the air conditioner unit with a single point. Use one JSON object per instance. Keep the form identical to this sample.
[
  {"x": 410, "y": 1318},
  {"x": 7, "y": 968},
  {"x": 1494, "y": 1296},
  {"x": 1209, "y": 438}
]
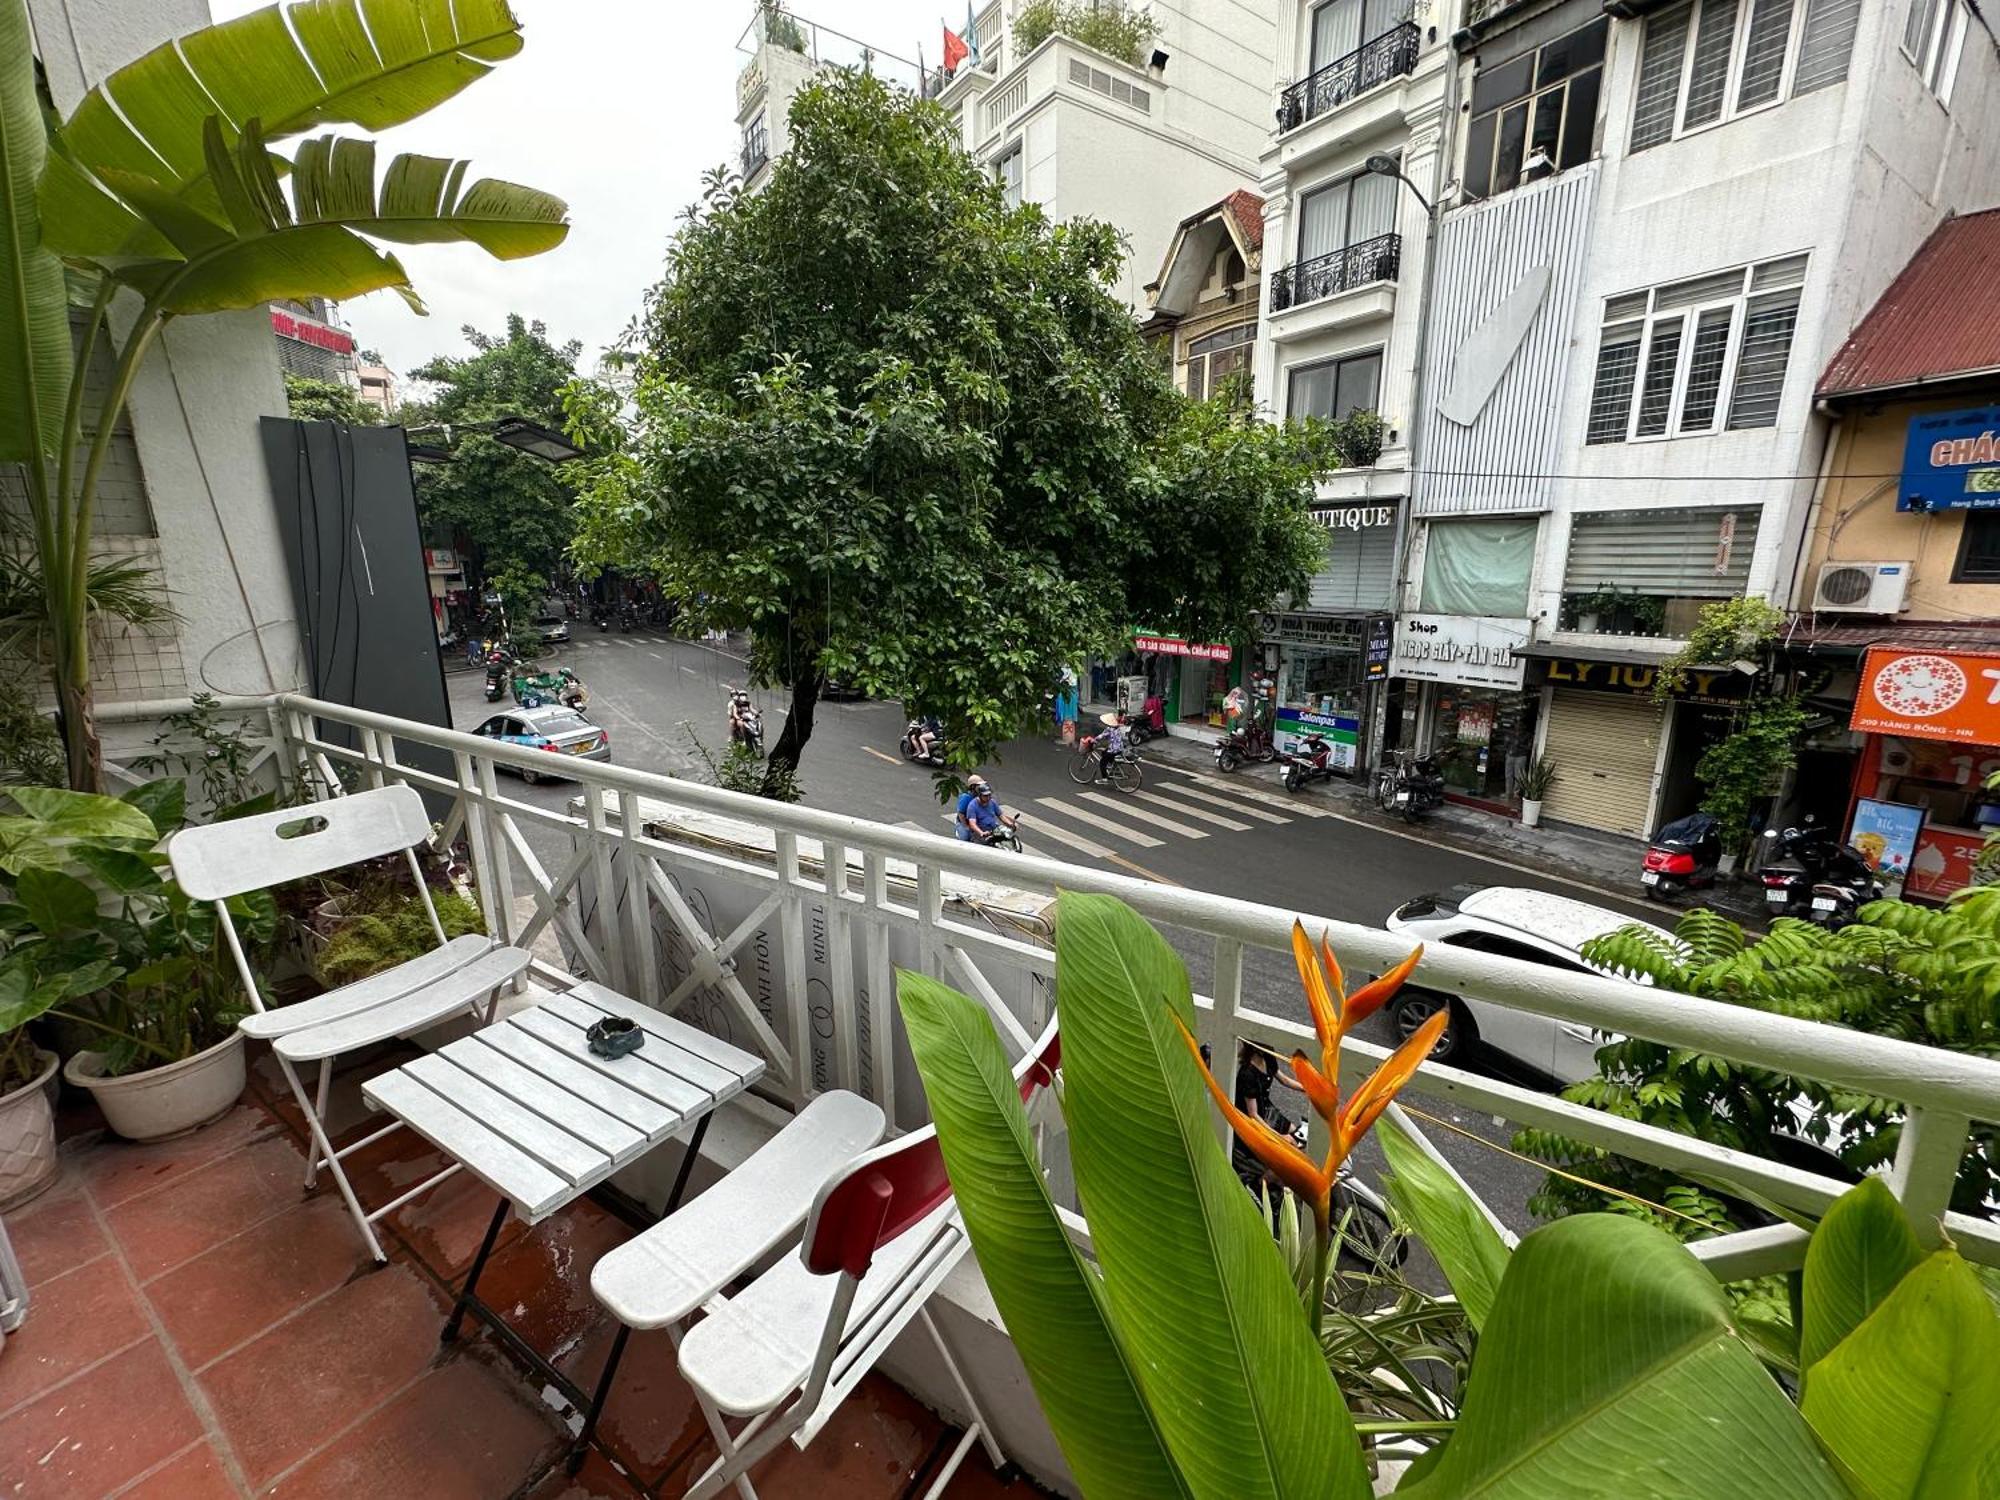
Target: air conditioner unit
[{"x": 1861, "y": 588}]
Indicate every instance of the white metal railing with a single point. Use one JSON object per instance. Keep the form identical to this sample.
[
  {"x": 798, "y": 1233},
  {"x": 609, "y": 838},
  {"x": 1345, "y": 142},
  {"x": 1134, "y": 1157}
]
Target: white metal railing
[{"x": 895, "y": 893}]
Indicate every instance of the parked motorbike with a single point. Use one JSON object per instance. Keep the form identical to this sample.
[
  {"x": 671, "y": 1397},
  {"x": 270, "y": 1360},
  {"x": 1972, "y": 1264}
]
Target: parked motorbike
[
  {"x": 1245, "y": 742},
  {"x": 911, "y": 744},
  {"x": 1810, "y": 874},
  {"x": 1412, "y": 786},
  {"x": 1151, "y": 723},
  {"x": 1312, "y": 763},
  {"x": 600, "y": 616},
  {"x": 497, "y": 661},
  {"x": 1682, "y": 855}
]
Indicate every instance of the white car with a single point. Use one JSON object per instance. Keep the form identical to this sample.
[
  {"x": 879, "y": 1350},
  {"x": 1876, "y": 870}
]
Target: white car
[{"x": 1512, "y": 923}]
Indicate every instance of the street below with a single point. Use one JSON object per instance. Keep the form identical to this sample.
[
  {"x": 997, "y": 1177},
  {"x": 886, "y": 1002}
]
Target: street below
[{"x": 1242, "y": 836}]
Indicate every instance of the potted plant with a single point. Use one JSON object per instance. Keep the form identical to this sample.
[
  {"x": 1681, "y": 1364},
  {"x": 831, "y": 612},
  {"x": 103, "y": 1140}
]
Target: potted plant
[
  {"x": 100, "y": 938},
  {"x": 27, "y": 1122},
  {"x": 1535, "y": 783}
]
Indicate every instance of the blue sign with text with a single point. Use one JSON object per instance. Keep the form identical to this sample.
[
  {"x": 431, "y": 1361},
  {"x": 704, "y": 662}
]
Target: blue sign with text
[{"x": 1951, "y": 461}]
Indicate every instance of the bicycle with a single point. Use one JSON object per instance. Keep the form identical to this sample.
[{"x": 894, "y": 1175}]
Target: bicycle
[{"x": 1089, "y": 765}]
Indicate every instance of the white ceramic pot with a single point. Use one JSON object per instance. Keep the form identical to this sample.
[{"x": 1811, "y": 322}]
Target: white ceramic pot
[
  {"x": 167, "y": 1101},
  {"x": 28, "y": 1137},
  {"x": 1531, "y": 812},
  {"x": 1726, "y": 867}
]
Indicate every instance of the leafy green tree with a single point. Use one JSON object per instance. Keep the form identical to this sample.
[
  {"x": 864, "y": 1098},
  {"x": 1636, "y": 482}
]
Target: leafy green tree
[
  {"x": 908, "y": 437},
  {"x": 512, "y": 512},
  {"x": 1919, "y": 974},
  {"x": 311, "y": 400}
]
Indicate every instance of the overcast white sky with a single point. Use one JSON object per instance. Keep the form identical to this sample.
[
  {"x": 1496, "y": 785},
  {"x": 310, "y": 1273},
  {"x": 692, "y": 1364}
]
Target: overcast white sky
[{"x": 617, "y": 106}]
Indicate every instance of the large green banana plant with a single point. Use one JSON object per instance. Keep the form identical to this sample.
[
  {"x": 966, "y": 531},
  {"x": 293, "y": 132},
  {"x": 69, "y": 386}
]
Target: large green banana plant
[
  {"x": 1178, "y": 1361},
  {"x": 162, "y": 191}
]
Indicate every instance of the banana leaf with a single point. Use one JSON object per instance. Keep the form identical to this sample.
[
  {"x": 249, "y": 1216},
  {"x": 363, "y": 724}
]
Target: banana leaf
[
  {"x": 1200, "y": 1295},
  {"x": 1048, "y": 1294},
  {"x": 35, "y": 352},
  {"x": 1456, "y": 1231},
  {"x": 1608, "y": 1367},
  {"x": 370, "y": 63},
  {"x": 1862, "y": 1248}
]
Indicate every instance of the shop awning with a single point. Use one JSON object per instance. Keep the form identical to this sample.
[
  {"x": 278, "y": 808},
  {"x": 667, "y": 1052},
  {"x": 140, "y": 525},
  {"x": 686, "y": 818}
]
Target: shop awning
[{"x": 1173, "y": 645}]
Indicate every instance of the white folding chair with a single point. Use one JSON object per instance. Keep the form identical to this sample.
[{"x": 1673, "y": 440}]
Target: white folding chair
[
  {"x": 882, "y": 1236},
  {"x": 216, "y": 861}
]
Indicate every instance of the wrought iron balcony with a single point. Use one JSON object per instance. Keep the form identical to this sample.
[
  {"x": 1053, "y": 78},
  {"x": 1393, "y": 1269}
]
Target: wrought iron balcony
[
  {"x": 1359, "y": 264},
  {"x": 1393, "y": 54},
  {"x": 755, "y": 154}
]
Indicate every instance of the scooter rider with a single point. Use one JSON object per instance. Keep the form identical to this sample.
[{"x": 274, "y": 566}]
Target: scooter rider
[
  {"x": 929, "y": 730},
  {"x": 980, "y": 812},
  {"x": 740, "y": 716}
]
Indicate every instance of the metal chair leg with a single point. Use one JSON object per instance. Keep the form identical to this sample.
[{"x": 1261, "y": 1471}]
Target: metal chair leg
[
  {"x": 319, "y": 1109},
  {"x": 582, "y": 1443},
  {"x": 325, "y": 1147}
]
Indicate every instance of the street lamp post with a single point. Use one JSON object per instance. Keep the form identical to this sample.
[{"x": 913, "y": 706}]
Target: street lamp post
[{"x": 1386, "y": 166}]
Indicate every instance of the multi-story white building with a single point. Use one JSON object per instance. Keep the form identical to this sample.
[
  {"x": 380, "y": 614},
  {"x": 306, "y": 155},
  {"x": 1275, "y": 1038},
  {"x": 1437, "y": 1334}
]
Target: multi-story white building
[
  {"x": 1344, "y": 268},
  {"x": 1139, "y": 141},
  {"x": 1667, "y": 217}
]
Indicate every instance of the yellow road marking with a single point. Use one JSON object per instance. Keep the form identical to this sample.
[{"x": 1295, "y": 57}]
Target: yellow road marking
[
  {"x": 1139, "y": 869},
  {"x": 880, "y": 756}
]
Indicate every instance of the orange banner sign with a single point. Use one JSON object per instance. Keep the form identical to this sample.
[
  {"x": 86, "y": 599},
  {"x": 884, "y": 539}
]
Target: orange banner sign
[{"x": 1931, "y": 695}]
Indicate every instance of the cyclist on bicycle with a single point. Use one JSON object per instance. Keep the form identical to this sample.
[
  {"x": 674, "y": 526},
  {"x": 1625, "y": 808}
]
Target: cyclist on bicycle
[{"x": 980, "y": 814}]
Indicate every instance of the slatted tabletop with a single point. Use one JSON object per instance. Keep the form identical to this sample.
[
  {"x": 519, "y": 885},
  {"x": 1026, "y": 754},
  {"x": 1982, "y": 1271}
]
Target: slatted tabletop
[{"x": 527, "y": 1108}]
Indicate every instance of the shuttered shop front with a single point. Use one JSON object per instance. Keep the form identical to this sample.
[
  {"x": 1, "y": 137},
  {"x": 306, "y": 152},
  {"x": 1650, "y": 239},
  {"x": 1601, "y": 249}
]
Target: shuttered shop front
[
  {"x": 1604, "y": 747},
  {"x": 1691, "y": 553}
]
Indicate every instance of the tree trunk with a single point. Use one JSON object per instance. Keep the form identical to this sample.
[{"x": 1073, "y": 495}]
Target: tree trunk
[
  {"x": 798, "y": 728},
  {"x": 80, "y": 742}
]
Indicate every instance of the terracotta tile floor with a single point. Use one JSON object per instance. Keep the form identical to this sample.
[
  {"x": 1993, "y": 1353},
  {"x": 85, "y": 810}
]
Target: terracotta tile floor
[{"x": 202, "y": 1328}]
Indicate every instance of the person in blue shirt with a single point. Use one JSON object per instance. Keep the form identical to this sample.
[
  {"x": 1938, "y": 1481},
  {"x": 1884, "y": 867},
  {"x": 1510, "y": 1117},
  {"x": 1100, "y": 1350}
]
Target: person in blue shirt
[{"x": 980, "y": 812}]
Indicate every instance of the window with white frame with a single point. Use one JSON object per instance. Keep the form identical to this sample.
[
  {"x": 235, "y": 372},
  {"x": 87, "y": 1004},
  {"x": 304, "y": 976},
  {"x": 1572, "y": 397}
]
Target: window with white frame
[
  {"x": 1698, "y": 356},
  {"x": 1007, "y": 171},
  {"x": 1215, "y": 357},
  {"x": 1707, "y": 61},
  {"x": 1933, "y": 36}
]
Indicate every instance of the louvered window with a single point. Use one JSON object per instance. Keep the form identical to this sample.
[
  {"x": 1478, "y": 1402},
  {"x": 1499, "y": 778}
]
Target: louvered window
[
  {"x": 1933, "y": 37},
  {"x": 1707, "y": 346},
  {"x": 1707, "y": 61}
]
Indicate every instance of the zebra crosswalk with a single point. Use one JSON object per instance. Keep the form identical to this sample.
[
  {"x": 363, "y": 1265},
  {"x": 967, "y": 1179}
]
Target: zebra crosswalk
[{"x": 1174, "y": 803}]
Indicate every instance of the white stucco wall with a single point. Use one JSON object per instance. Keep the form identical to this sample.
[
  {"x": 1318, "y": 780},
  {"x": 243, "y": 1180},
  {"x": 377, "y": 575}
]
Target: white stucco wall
[{"x": 194, "y": 410}]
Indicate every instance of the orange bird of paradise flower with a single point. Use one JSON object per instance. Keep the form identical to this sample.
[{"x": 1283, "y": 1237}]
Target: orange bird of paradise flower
[{"x": 1334, "y": 1013}]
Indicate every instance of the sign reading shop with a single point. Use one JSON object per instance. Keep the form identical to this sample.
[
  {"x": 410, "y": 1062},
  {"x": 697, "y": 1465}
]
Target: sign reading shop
[
  {"x": 1472, "y": 651},
  {"x": 1951, "y": 461}
]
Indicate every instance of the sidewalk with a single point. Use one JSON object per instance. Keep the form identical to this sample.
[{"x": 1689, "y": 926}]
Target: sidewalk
[{"x": 1606, "y": 863}]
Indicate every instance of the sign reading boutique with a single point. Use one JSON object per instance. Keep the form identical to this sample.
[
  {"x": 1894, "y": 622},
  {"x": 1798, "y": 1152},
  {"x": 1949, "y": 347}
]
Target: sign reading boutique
[{"x": 1471, "y": 650}]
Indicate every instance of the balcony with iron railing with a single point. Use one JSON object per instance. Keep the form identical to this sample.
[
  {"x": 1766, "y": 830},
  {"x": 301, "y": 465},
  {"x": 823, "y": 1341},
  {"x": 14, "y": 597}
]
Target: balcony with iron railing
[
  {"x": 1393, "y": 54},
  {"x": 781, "y": 928},
  {"x": 756, "y": 150},
  {"x": 1364, "y": 263}
]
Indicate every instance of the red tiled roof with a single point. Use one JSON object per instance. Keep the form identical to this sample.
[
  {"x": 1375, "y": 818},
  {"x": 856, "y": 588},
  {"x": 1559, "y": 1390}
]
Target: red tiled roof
[
  {"x": 1929, "y": 324},
  {"x": 1247, "y": 209}
]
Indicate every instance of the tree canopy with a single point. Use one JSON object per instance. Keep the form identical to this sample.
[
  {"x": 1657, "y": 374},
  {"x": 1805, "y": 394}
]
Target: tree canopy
[
  {"x": 311, "y": 400},
  {"x": 908, "y": 436},
  {"x": 512, "y": 511}
]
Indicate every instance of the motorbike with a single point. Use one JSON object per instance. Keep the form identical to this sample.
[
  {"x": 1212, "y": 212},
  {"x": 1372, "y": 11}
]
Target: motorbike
[
  {"x": 600, "y": 617},
  {"x": 1151, "y": 723},
  {"x": 1682, "y": 855},
  {"x": 909, "y": 744},
  {"x": 1314, "y": 762},
  {"x": 1412, "y": 786},
  {"x": 1004, "y": 837},
  {"x": 1815, "y": 876},
  {"x": 1245, "y": 743},
  {"x": 497, "y": 662},
  {"x": 627, "y": 618},
  {"x": 534, "y": 689},
  {"x": 750, "y": 731}
]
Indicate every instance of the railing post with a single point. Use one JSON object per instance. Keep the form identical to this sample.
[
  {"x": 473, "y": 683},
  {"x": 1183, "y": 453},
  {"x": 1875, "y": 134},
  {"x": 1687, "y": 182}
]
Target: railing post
[
  {"x": 483, "y": 878},
  {"x": 1926, "y": 1167},
  {"x": 792, "y": 943},
  {"x": 371, "y": 756},
  {"x": 500, "y": 859},
  {"x": 840, "y": 964},
  {"x": 1218, "y": 1026},
  {"x": 602, "y": 885},
  {"x": 638, "y": 908},
  {"x": 881, "y": 1050}
]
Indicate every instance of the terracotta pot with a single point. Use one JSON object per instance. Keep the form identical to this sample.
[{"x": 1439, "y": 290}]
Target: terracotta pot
[
  {"x": 166, "y": 1101},
  {"x": 28, "y": 1136}
]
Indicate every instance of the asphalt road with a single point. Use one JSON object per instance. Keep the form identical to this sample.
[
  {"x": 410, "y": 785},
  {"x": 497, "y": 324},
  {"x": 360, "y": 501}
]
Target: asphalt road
[{"x": 1244, "y": 837}]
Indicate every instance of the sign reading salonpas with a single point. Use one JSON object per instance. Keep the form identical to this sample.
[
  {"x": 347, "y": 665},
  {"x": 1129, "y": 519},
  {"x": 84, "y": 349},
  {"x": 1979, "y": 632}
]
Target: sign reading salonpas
[
  {"x": 1951, "y": 461},
  {"x": 1473, "y": 651}
]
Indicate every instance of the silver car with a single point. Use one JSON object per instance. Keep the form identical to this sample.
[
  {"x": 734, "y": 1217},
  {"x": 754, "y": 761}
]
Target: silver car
[
  {"x": 1512, "y": 923},
  {"x": 560, "y": 731}
]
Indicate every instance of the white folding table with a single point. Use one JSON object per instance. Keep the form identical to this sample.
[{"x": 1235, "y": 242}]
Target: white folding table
[{"x": 528, "y": 1109}]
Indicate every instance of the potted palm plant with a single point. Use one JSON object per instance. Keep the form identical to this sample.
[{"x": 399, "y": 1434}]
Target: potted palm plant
[{"x": 1535, "y": 783}]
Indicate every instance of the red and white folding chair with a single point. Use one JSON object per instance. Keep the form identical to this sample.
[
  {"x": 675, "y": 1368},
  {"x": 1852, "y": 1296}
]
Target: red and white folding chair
[
  {"x": 882, "y": 1235},
  {"x": 216, "y": 861}
]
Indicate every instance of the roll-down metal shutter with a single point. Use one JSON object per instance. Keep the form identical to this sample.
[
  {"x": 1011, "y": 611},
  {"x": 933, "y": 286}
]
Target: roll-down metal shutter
[
  {"x": 1604, "y": 747},
  {"x": 1675, "y": 554},
  {"x": 1360, "y": 571}
]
